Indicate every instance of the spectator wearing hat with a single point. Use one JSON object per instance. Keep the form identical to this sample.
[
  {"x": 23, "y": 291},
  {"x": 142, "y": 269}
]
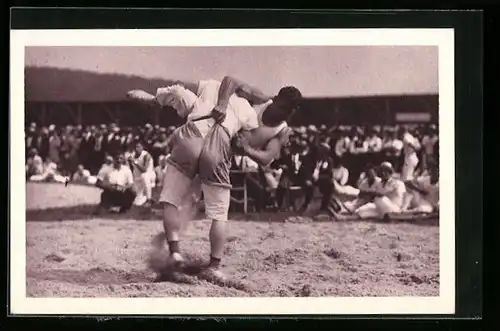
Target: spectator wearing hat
[{"x": 387, "y": 197}]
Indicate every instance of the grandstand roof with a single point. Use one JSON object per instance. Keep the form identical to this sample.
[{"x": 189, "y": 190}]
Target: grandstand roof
[{"x": 44, "y": 84}]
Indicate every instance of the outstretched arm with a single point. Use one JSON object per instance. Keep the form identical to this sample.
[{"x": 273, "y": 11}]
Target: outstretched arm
[{"x": 145, "y": 97}]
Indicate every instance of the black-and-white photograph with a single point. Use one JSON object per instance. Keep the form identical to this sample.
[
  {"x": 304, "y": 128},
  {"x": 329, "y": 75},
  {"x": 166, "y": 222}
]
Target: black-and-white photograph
[{"x": 238, "y": 171}]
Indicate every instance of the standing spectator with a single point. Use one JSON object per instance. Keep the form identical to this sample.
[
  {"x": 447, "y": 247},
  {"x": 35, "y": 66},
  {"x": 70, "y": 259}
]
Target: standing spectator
[
  {"x": 85, "y": 149},
  {"x": 392, "y": 148},
  {"x": 160, "y": 145},
  {"x": 144, "y": 175},
  {"x": 358, "y": 150},
  {"x": 112, "y": 141},
  {"x": 97, "y": 155},
  {"x": 30, "y": 138},
  {"x": 54, "y": 146},
  {"x": 342, "y": 144},
  {"x": 429, "y": 142},
  {"x": 410, "y": 147},
  {"x": 374, "y": 146},
  {"x": 42, "y": 143}
]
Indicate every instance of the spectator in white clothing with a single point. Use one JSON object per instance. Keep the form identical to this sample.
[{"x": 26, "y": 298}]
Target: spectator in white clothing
[
  {"x": 117, "y": 188},
  {"x": 144, "y": 175},
  {"x": 410, "y": 147},
  {"x": 368, "y": 181},
  {"x": 386, "y": 198},
  {"x": 50, "y": 174},
  {"x": 82, "y": 176}
]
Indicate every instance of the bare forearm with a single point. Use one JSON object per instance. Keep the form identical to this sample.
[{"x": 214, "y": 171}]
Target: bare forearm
[
  {"x": 227, "y": 88},
  {"x": 261, "y": 156}
]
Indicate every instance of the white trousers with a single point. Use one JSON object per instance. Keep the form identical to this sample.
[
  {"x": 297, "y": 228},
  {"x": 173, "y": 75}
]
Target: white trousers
[
  {"x": 378, "y": 208},
  {"x": 409, "y": 166},
  {"x": 48, "y": 176},
  {"x": 143, "y": 186}
]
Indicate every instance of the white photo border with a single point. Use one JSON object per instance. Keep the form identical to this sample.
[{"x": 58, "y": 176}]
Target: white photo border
[{"x": 442, "y": 304}]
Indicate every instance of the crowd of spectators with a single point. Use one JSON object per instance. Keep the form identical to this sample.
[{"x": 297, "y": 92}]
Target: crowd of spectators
[{"x": 77, "y": 153}]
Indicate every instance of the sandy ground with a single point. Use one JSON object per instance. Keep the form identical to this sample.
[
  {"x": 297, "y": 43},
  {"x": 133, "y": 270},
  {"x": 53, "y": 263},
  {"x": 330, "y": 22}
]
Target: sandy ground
[{"x": 71, "y": 254}]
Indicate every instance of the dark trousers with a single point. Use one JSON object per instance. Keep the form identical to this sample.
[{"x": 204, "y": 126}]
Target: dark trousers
[
  {"x": 325, "y": 187},
  {"x": 115, "y": 198}
]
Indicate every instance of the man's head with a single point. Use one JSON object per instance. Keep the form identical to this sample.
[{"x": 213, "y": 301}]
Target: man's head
[
  {"x": 119, "y": 161},
  {"x": 108, "y": 160},
  {"x": 80, "y": 168},
  {"x": 370, "y": 172},
  {"x": 33, "y": 152},
  {"x": 139, "y": 148},
  {"x": 283, "y": 106},
  {"x": 386, "y": 170}
]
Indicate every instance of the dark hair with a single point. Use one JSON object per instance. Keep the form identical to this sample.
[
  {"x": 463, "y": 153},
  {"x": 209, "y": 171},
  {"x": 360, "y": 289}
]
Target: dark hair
[{"x": 290, "y": 95}]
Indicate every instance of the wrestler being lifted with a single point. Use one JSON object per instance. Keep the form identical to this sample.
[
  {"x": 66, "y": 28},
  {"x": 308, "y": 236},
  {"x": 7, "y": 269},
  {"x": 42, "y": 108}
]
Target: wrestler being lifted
[{"x": 217, "y": 112}]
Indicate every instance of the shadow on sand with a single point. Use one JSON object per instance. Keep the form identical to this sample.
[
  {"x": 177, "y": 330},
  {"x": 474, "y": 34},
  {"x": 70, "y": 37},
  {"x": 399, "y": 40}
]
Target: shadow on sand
[
  {"x": 86, "y": 212},
  {"x": 94, "y": 276}
]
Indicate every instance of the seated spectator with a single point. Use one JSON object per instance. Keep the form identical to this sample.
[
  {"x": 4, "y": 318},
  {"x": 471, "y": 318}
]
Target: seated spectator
[
  {"x": 117, "y": 188},
  {"x": 368, "y": 181},
  {"x": 422, "y": 195},
  {"x": 34, "y": 164},
  {"x": 105, "y": 168},
  {"x": 340, "y": 174},
  {"x": 82, "y": 176},
  {"x": 316, "y": 171},
  {"x": 50, "y": 174},
  {"x": 385, "y": 199}
]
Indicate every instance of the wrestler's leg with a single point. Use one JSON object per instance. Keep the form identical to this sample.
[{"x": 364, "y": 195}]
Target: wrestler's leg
[
  {"x": 217, "y": 200},
  {"x": 176, "y": 188}
]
